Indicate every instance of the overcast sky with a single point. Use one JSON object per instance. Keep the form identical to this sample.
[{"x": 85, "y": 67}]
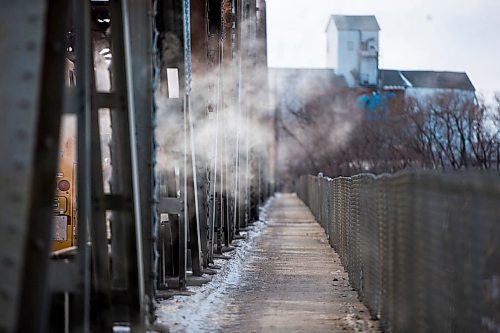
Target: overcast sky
[{"x": 454, "y": 35}]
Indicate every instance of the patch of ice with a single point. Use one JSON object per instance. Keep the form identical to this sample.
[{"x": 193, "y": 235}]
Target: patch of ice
[{"x": 204, "y": 311}]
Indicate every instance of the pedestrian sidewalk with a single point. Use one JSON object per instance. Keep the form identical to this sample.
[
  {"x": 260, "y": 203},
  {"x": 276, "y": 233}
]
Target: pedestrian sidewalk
[{"x": 293, "y": 280}]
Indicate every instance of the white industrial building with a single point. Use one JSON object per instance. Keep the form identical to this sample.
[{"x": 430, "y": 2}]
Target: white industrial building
[
  {"x": 353, "y": 51},
  {"x": 352, "y": 62},
  {"x": 352, "y": 48}
]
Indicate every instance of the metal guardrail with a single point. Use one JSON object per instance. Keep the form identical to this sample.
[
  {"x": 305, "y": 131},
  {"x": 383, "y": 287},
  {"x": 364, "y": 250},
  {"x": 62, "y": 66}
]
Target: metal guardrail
[{"x": 421, "y": 248}]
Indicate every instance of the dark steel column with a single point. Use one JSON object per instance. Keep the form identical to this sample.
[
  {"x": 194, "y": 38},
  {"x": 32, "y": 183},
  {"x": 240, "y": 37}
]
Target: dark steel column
[
  {"x": 35, "y": 294},
  {"x": 141, "y": 39}
]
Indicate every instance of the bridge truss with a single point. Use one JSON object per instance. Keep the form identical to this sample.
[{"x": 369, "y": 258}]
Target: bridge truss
[{"x": 174, "y": 152}]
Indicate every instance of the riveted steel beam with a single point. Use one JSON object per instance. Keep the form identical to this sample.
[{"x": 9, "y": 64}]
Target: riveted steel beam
[{"x": 21, "y": 61}]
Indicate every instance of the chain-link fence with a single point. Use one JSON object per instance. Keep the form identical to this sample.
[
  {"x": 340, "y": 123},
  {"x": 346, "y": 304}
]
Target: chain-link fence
[{"x": 422, "y": 249}]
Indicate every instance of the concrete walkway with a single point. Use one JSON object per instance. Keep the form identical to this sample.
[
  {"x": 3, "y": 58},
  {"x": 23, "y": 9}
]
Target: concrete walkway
[{"x": 293, "y": 280}]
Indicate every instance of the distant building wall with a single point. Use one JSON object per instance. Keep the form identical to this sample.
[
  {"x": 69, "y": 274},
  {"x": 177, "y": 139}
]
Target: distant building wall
[
  {"x": 356, "y": 62},
  {"x": 368, "y": 54},
  {"x": 291, "y": 89},
  {"x": 332, "y": 47},
  {"x": 348, "y": 59}
]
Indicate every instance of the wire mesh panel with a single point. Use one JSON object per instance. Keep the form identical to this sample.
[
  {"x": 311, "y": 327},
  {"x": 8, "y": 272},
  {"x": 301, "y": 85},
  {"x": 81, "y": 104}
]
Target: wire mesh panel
[
  {"x": 344, "y": 220},
  {"x": 336, "y": 215},
  {"x": 370, "y": 245},
  {"x": 385, "y": 218},
  {"x": 400, "y": 200},
  {"x": 421, "y": 248},
  {"x": 354, "y": 248},
  {"x": 331, "y": 204}
]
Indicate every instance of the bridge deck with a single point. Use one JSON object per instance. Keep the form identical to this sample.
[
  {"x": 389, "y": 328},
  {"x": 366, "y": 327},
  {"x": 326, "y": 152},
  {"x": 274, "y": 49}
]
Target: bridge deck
[
  {"x": 286, "y": 279},
  {"x": 293, "y": 280}
]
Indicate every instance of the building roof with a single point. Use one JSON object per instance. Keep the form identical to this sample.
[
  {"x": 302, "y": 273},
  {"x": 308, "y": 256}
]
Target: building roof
[
  {"x": 444, "y": 80},
  {"x": 392, "y": 78},
  {"x": 396, "y": 79},
  {"x": 365, "y": 23}
]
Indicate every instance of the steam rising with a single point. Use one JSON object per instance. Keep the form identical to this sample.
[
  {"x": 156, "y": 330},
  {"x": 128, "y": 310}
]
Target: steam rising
[{"x": 231, "y": 116}]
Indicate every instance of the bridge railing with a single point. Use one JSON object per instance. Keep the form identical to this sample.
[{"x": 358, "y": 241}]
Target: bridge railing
[{"x": 421, "y": 248}]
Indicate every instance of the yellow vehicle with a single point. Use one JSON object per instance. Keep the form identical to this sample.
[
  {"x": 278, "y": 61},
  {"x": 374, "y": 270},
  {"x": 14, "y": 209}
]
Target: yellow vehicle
[
  {"x": 65, "y": 209},
  {"x": 65, "y": 203}
]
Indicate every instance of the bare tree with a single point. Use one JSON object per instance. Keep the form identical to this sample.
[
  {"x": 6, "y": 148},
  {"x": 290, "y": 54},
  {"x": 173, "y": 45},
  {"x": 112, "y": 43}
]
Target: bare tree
[
  {"x": 330, "y": 133},
  {"x": 454, "y": 132}
]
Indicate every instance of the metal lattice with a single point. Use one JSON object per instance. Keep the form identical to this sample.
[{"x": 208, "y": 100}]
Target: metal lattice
[{"x": 421, "y": 248}]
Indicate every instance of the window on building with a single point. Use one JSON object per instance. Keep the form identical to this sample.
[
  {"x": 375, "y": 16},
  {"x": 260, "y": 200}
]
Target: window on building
[{"x": 350, "y": 45}]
